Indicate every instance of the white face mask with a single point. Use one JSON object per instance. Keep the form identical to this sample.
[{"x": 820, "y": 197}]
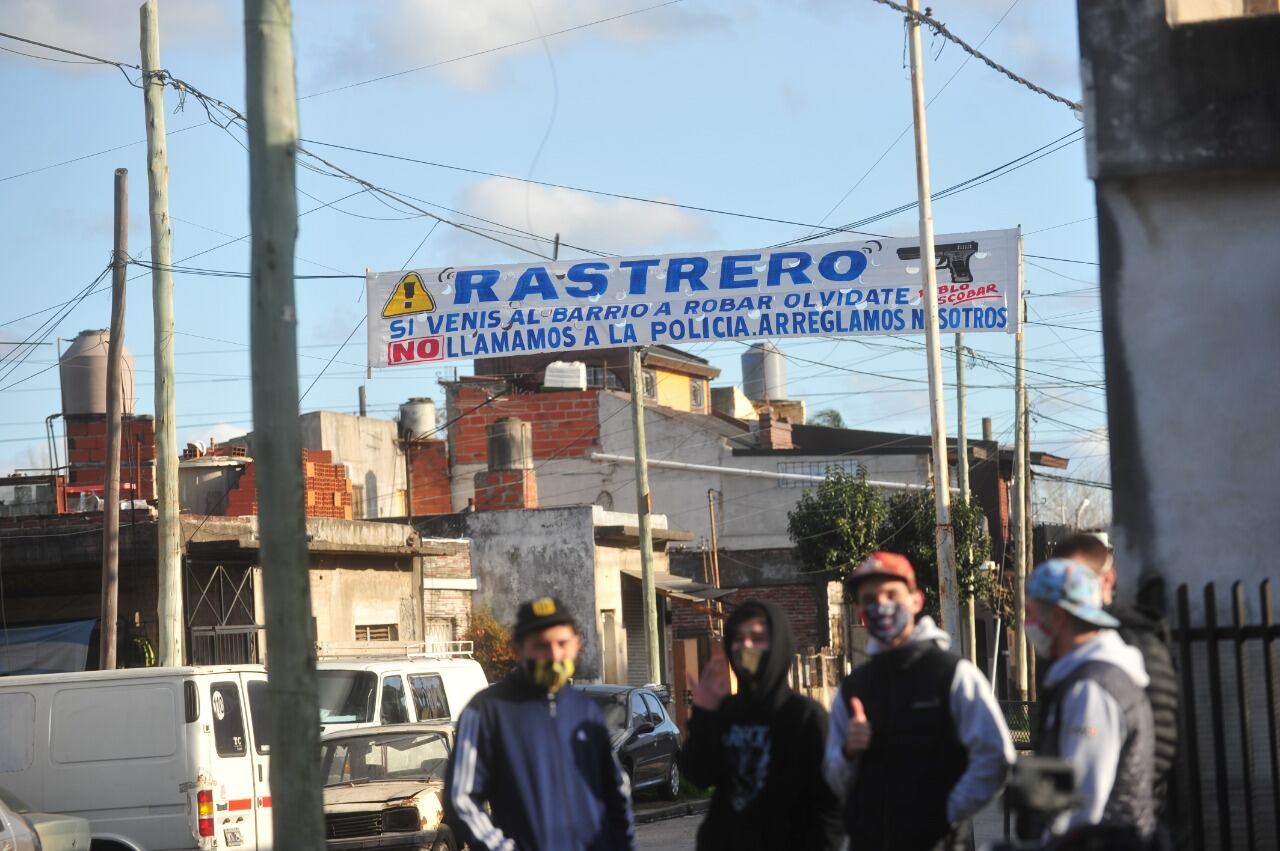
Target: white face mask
[{"x": 1041, "y": 641}]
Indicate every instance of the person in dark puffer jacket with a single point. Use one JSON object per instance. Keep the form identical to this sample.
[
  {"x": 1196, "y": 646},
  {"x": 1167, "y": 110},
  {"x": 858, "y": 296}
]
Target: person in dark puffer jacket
[{"x": 1146, "y": 630}]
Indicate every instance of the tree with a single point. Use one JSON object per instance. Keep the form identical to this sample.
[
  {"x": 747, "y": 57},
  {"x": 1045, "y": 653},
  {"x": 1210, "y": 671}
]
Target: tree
[
  {"x": 910, "y": 530},
  {"x": 828, "y": 417},
  {"x": 838, "y": 525},
  {"x": 491, "y": 645}
]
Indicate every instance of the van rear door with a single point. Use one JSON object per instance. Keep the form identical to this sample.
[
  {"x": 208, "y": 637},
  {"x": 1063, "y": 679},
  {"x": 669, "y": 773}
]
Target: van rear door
[
  {"x": 260, "y": 724},
  {"x": 234, "y": 773}
]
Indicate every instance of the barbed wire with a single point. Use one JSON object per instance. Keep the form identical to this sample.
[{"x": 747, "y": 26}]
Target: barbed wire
[{"x": 940, "y": 28}]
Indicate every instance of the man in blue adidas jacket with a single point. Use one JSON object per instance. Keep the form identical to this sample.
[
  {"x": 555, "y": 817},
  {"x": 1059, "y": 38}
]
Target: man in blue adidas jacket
[{"x": 537, "y": 753}]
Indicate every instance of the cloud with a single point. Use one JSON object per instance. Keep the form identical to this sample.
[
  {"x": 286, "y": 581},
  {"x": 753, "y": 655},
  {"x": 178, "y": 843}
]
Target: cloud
[
  {"x": 419, "y": 33},
  {"x": 110, "y": 28},
  {"x": 219, "y": 432},
  {"x": 601, "y": 224}
]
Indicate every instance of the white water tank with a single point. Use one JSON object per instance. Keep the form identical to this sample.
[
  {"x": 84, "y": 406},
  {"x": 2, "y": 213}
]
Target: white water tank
[
  {"x": 565, "y": 375},
  {"x": 418, "y": 418},
  {"x": 764, "y": 373},
  {"x": 82, "y": 372}
]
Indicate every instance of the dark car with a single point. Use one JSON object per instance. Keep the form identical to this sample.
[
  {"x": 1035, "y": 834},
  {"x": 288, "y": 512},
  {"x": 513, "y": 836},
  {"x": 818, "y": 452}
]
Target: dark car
[{"x": 644, "y": 737}]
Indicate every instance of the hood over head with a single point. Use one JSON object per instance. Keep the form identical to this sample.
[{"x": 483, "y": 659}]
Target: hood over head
[
  {"x": 1107, "y": 647},
  {"x": 769, "y": 684}
]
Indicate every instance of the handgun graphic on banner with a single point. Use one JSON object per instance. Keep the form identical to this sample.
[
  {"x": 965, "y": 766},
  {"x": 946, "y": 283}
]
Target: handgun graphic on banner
[{"x": 953, "y": 256}]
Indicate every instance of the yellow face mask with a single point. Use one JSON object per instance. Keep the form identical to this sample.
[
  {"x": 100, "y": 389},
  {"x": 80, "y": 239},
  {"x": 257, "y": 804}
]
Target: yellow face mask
[{"x": 549, "y": 675}]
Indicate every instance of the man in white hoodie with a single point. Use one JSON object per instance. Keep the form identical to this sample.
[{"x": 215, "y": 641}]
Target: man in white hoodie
[
  {"x": 1094, "y": 711},
  {"x": 917, "y": 744}
]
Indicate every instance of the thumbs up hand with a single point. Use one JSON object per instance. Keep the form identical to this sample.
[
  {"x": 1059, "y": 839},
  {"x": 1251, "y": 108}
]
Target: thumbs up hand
[{"x": 858, "y": 737}]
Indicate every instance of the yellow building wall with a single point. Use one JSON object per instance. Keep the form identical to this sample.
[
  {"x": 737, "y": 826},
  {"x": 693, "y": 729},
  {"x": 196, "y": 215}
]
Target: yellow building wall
[{"x": 674, "y": 392}]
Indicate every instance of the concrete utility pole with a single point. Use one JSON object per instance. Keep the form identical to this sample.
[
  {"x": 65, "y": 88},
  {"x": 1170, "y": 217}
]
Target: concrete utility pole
[
  {"x": 1019, "y": 509},
  {"x": 644, "y": 505},
  {"x": 115, "y": 404},
  {"x": 168, "y": 528},
  {"x": 297, "y": 814},
  {"x": 945, "y": 534}
]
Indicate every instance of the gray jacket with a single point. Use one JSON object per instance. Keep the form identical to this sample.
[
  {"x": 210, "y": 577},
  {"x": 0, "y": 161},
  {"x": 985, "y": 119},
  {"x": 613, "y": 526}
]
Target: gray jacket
[{"x": 1097, "y": 715}]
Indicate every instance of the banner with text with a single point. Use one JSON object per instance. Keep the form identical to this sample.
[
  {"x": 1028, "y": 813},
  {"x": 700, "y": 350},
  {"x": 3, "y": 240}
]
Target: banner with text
[{"x": 820, "y": 289}]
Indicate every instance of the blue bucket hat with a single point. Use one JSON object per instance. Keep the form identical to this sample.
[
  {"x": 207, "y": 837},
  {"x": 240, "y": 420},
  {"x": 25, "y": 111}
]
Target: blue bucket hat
[{"x": 1072, "y": 586}]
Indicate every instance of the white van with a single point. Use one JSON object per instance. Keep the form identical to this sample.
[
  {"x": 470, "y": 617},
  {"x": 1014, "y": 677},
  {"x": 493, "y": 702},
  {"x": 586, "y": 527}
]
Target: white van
[
  {"x": 364, "y": 684},
  {"x": 154, "y": 758}
]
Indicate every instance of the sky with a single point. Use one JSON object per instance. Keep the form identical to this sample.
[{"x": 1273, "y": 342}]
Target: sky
[{"x": 784, "y": 110}]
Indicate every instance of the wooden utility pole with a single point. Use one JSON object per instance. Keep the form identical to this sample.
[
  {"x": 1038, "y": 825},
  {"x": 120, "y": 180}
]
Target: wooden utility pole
[
  {"x": 962, "y": 477},
  {"x": 297, "y": 814},
  {"x": 715, "y": 555},
  {"x": 115, "y": 405},
  {"x": 948, "y": 597},
  {"x": 644, "y": 505},
  {"x": 168, "y": 527}
]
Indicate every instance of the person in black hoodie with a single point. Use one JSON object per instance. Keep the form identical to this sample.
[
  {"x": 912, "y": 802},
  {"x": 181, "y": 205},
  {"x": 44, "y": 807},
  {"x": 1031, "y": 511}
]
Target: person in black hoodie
[
  {"x": 1146, "y": 630},
  {"x": 761, "y": 747}
]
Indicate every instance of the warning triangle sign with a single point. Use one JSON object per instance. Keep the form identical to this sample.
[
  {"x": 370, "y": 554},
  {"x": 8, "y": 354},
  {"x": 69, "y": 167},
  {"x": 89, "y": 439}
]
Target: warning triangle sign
[{"x": 409, "y": 296}]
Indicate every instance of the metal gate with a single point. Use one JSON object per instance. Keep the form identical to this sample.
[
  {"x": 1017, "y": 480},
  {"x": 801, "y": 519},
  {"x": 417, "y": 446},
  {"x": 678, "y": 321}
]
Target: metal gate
[
  {"x": 1229, "y": 757},
  {"x": 220, "y": 621}
]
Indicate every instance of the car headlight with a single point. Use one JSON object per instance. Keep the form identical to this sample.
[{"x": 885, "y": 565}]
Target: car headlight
[{"x": 400, "y": 819}]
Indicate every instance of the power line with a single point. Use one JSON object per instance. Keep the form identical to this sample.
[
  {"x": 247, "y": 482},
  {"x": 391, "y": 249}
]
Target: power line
[
  {"x": 941, "y": 29},
  {"x": 494, "y": 49},
  {"x": 905, "y": 129}
]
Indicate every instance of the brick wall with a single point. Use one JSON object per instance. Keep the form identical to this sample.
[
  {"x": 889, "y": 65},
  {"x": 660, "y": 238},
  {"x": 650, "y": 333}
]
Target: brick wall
[
  {"x": 565, "y": 423},
  {"x": 805, "y": 607},
  {"x": 429, "y": 477},
  {"x": 448, "y": 560},
  {"x": 503, "y": 490},
  {"x": 325, "y": 485},
  {"x": 86, "y": 454}
]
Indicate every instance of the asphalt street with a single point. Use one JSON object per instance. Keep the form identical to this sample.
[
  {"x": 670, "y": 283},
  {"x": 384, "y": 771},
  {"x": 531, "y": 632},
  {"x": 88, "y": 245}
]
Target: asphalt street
[{"x": 675, "y": 834}]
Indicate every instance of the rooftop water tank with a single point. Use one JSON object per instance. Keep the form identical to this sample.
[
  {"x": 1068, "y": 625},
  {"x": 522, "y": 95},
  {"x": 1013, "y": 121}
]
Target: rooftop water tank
[
  {"x": 82, "y": 372},
  {"x": 565, "y": 375},
  {"x": 764, "y": 373},
  {"x": 418, "y": 418}
]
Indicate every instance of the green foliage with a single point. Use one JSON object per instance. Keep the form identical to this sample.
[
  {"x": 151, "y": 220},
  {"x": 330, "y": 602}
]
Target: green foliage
[
  {"x": 910, "y": 530},
  {"x": 492, "y": 644},
  {"x": 845, "y": 520},
  {"x": 838, "y": 525},
  {"x": 828, "y": 417}
]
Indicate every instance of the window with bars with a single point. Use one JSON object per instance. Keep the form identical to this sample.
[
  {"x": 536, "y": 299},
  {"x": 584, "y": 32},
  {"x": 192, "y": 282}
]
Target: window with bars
[
  {"x": 697, "y": 397},
  {"x": 377, "y": 632},
  {"x": 650, "y": 384},
  {"x": 598, "y": 376},
  {"x": 814, "y": 468}
]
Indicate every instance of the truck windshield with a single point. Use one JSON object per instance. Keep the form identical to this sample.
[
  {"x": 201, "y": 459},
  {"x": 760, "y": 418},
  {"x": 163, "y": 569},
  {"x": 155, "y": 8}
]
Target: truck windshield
[{"x": 346, "y": 697}]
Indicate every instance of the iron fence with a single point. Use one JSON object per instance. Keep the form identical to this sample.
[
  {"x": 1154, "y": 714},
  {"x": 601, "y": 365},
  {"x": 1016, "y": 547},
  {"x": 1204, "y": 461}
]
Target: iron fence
[
  {"x": 224, "y": 645},
  {"x": 1228, "y": 770}
]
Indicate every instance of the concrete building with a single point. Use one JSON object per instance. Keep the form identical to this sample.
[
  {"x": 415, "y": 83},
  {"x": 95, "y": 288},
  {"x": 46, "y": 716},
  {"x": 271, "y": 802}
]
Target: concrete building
[{"x": 369, "y": 581}]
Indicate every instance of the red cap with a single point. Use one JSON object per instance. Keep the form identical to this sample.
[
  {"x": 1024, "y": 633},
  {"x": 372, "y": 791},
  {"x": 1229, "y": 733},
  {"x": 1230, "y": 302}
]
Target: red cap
[{"x": 888, "y": 565}]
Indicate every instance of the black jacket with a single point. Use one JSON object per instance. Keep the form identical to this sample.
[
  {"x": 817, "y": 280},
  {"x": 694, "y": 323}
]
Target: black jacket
[
  {"x": 762, "y": 751},
  {"x": 1147, "y": 631}
]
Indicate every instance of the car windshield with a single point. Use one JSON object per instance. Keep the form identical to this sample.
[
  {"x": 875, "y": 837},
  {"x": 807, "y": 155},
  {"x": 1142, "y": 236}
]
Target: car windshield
[
  {"x": 386, "y": 756},
  {"x": 614, "y": 707},
  {"x": 346, "y": 697}
]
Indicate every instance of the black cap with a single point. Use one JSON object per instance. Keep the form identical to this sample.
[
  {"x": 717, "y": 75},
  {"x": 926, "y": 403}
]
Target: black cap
[{"x": 540, "y": 614}]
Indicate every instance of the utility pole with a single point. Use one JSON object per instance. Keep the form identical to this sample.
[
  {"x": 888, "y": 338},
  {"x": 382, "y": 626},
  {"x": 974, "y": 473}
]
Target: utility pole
[
  {"x": 115, "y": 404},
  {"x": 1019, "y": 510},
  {"x": 945, "y": 533},
  {"x": 644, "y": 505},
  {"x": 297, "y": 814},
  {"x": 168, "y": 527},
  {"x": 715, "y": 554},
  {"x": 962, "y": 474}
]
